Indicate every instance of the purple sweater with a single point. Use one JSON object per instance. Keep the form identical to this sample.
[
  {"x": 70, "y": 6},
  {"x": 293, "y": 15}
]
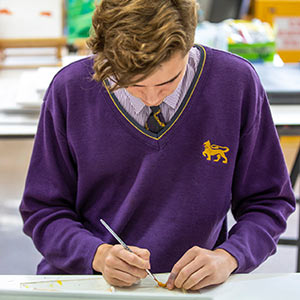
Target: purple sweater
[{"x": 165, "y": 192}]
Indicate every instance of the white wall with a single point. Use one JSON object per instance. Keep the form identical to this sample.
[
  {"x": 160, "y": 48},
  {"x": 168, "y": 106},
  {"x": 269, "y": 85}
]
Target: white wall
[{"x": 31, "y": 18}]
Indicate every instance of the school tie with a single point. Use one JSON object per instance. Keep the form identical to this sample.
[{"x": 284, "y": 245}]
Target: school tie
[{"x": 155, "y": 121}]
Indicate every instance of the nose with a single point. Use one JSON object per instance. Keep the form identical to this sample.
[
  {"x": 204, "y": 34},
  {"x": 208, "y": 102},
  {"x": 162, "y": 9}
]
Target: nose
[{"x": 151, "y": 94}]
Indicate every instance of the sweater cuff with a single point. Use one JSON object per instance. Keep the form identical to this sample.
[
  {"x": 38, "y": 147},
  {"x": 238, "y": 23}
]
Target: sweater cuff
[
  {"x": 237, "y": 253},
  {"x": 90, "y": 249}
]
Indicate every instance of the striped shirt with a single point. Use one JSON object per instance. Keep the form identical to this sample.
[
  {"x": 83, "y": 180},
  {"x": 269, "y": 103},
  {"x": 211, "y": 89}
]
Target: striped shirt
[{"x": 140, "y": 112}]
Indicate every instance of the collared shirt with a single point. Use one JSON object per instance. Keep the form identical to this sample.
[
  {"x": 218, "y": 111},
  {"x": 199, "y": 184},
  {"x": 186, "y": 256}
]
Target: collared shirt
[{"x": 140, "y": 112}]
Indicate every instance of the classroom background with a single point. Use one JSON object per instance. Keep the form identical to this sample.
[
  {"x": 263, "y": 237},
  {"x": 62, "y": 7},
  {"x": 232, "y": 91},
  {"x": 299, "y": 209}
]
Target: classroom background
[{"x": 37, "y": 38}]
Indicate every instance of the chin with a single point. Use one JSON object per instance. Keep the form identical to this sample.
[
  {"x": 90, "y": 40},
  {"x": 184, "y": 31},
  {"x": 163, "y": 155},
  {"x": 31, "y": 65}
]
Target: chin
[{"x": 153, "y": 104}]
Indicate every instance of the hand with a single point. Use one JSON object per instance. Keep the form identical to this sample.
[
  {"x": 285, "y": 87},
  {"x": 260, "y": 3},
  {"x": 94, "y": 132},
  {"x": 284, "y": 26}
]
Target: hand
[
  {"x": 120, "y": 267},
  {"x": 199, "y": 268}
]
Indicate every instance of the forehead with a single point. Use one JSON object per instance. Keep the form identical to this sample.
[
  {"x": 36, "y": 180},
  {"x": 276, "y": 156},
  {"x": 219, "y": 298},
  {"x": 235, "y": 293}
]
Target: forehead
[{"x": 166, "y": 70}]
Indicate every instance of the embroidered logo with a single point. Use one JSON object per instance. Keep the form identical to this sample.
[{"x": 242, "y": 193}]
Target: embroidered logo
[{"x": 215, "y": 150}]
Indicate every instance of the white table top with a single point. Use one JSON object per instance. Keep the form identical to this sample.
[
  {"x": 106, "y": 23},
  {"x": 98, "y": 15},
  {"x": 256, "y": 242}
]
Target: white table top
[
  {"x": 286, "y": 114},
  {"x": 237, "y": 287}
]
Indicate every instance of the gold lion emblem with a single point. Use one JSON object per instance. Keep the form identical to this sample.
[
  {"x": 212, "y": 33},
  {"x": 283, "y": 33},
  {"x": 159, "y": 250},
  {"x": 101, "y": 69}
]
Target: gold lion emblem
[{"x": 215, "y": 150}]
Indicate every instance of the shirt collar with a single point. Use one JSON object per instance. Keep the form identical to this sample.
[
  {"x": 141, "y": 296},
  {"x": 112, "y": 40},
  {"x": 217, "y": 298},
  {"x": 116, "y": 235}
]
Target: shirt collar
[
  {"x": 172, "y": 100},
  {"x": 135, "y": 102}
]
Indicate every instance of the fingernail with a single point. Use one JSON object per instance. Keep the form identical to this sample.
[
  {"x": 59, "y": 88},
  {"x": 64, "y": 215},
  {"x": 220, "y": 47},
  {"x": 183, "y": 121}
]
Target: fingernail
[
  {"x": 170, "y": 281},
  {"x": 172, "y": 277}
]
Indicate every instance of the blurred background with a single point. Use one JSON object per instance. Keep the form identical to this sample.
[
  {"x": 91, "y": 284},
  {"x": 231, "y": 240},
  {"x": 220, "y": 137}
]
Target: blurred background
[{"x": 37, "y": 38}]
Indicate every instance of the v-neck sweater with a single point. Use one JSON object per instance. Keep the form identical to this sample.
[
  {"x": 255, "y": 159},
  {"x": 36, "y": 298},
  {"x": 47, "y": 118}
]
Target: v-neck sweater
[{"x": 165, "y": 192}]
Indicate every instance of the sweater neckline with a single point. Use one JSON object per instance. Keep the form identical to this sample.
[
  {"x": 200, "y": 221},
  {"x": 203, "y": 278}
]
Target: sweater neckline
[{"x": 178, "y": 113}]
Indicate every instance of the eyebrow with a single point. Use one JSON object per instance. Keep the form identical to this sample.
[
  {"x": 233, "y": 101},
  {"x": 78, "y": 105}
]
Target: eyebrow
[{"x": 160, "y": 84}]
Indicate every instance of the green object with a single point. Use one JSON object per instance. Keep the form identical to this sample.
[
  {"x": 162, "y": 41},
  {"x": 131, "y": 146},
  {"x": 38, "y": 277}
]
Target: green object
[
  {"x": 79, "y": 18},
  {"x": 254, "y": 52}
]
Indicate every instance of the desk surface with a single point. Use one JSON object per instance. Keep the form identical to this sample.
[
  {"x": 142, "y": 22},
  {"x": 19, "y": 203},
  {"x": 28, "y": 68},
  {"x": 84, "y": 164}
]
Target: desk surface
[
  {"x": 281, "y": 83},
  {"x": 279, "y": 79},
  {"x": 240, "y": 286}
]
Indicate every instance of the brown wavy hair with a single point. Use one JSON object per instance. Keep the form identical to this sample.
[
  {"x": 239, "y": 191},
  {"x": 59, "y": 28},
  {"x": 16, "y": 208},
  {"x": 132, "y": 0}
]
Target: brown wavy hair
[{"x": 131, "y": 38}]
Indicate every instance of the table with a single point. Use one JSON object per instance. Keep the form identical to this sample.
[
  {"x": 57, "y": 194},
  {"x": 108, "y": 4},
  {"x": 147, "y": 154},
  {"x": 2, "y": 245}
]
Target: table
[
  {"x": 239, "y": 286},
  {"x": 282, "y": 84}
]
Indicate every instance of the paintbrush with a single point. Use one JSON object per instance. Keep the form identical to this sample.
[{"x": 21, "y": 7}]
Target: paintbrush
[{"x": 128, "y": 249}]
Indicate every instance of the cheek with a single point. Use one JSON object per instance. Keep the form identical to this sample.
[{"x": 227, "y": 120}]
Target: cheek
[
  {"x": 134, "y": 92},
  {"x": 165, "y": 92},
  {"x": 168, "y": 90}
]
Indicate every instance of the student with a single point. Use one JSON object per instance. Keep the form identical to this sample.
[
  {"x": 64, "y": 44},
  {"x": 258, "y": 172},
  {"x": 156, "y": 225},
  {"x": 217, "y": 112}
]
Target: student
[{"x": 160, "y": 138}]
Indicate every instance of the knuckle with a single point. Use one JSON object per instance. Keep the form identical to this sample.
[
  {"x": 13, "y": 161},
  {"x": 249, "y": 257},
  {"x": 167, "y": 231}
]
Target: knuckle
[
  {"x": 110, "y": 260},
  {"x": 147, "y": 253},
  {"x": 194, "y": 279},
  {"x": 213, "y": 267},
  {"x": 117, "y": 248},
  {"x": 184, "y": 274},
  {"x": 114, "y": 248},
  {"x": 195, "y": 249},
  {"x": 131, "y": 259},
  {"x": 191, "y": 282},
  {"x": 176, "y": 268},
  {"x": 199, "y": 260}
]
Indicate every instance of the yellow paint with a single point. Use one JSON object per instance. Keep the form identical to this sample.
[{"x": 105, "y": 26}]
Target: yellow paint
[{"x": 59, "y": 282}]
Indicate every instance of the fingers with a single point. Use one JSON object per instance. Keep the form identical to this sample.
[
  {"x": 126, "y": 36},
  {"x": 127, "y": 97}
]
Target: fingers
[
  {"x": 183, "y": 268},
  {"x": 121, "y": 267},
  {"x": 199, "y": 268},
  {"x": 143, "y": 253},
  {"x": 194, "y": 279},
  {"x": 120, "y": 278},
  {"x": 133, "y": 259},
  {"x": 207, "y": 281},
  {"x": 191, "y": 274},
  {"x": 118, "y": 264}
]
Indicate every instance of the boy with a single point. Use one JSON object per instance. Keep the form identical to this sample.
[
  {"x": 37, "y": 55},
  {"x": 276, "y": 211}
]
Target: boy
[{"x": 165, "y": 139}]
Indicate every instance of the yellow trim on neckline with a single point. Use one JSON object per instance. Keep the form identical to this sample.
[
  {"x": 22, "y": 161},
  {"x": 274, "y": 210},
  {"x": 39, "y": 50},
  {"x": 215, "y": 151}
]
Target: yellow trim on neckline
[{"x": 191, "y": 93}]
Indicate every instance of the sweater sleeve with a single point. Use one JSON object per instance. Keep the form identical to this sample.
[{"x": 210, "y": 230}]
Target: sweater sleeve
[
  {"x": 262, "y": 197},
  {"x": 48, "y": 206}
]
